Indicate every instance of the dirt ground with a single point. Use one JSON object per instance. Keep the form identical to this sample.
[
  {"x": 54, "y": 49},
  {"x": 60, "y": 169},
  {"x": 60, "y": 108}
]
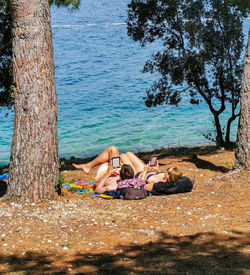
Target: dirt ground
[{"x": 202, "y": 232}]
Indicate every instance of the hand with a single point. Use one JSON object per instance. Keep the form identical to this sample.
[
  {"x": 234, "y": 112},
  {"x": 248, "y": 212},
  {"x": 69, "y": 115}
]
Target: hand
[
  {"x": 146, "y": 167},
  {"x": 110, "y": 169},
  {"x": 156, "y": 166},
  {"x": 149, "y": 186}
]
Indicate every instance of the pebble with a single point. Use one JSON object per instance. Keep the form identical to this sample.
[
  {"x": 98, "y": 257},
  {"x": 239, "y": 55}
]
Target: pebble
[
  {"x": 125, "y": 259},
  {"x": 172, "y": 249},
  {"x": 146, "y": 232}
]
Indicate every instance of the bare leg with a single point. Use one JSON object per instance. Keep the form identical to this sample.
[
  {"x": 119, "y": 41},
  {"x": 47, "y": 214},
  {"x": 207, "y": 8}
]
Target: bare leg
[
  {"x": 126, "y": 160},
  {"x": 136, "y": 163},
  {"x": 105, "y": 156}
]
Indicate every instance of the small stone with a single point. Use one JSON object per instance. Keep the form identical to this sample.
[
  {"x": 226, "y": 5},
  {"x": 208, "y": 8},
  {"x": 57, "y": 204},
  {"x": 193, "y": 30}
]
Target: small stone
[
  {"x": 146, "y": 232},
  {"x": 172, "y": 249},
  {"x": 125, "y": 259}
]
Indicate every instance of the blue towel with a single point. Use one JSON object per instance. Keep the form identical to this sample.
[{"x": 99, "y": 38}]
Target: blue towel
[{"x": 4, "y": 176}]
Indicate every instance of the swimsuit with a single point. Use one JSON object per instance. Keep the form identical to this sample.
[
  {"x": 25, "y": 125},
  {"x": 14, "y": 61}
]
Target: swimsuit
[{"x": 148, "y": 176}]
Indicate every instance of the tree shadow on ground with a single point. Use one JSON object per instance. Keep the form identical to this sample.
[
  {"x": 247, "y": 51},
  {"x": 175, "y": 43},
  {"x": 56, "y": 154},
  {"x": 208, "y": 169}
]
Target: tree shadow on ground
[
  {"x": 204, "y": 164},
  {"x": 202, "y": 253}
]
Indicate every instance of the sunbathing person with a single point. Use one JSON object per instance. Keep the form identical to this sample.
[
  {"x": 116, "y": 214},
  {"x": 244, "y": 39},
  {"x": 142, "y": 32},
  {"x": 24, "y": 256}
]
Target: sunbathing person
[
  {"x": 110, "y": 180},
  {"x": 140, "y": 169}
]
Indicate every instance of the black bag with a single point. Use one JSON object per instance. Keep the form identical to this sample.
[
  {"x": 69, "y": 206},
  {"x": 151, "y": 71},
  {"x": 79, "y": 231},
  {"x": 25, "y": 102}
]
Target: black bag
[{"x": 130, "y": 193}]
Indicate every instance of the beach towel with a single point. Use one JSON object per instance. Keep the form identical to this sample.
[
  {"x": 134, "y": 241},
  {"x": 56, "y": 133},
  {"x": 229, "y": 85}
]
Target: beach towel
[
  {"x": 4, "y": 176},
  {"x": 86, "y": 188}
]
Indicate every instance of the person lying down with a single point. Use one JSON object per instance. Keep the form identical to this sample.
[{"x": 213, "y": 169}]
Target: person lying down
[{"x": 107, "y": 179}]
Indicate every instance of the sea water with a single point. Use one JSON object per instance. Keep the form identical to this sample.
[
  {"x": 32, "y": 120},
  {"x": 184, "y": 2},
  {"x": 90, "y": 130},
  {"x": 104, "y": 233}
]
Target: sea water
[{"x": 100, "y": 89}]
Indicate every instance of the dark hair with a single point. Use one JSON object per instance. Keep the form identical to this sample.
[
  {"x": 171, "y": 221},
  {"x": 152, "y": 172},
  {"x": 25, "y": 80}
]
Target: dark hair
[{"x": 126, "y": 172}]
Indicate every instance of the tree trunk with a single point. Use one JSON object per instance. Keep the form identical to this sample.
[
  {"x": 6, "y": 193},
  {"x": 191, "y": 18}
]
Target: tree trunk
[
  {"x": 243, "y": 134},
  {"x": 219, "y": 136},
  {"x": 34, "y": 152}
]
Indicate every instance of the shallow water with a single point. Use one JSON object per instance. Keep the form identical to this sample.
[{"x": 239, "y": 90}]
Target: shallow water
[{"x": 100, "y": 89}]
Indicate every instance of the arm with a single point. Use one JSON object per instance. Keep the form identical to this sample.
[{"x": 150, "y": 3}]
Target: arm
[
  {"x": 149, "y": 186},
  {"x": 144, "y": 172},
  {"x": 101, "y": 184},
  {"x": 156, "y": 168}
]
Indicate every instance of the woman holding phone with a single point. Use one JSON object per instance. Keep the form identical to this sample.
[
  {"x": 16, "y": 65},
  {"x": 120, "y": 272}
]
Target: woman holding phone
[
  {"x": 110, "y": 172},
  {"x": 139, "y": 168}
]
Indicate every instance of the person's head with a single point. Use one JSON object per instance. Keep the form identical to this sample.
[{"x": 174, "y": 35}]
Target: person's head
[
  {"x": 126, "y": 172},
  {"x": 173, "y": 174}
]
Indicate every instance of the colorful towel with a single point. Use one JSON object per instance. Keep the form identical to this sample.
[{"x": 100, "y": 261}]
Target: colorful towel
[{"x": 86, "y": 188}]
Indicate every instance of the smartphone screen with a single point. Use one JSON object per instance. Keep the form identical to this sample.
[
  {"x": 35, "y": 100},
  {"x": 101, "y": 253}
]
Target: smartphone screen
[
  {"x": 153, "y": 160},
  {"x": 116, "y": 162}
]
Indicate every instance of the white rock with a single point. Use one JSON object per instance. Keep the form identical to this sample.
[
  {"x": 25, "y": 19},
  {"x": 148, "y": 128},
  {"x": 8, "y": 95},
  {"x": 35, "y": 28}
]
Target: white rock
[{"x": 146, "y": 232}]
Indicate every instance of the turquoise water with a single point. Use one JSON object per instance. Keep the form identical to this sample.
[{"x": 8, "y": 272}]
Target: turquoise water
[{"x": 100, "y": 89}]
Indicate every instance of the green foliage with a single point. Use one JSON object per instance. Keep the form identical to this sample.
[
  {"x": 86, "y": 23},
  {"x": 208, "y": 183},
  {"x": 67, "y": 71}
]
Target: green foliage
[
  {"x": 60, "y": 180},
  {"x": 6, "y": 75},
  {"x": 243, "y": 5},
  {"x": 62, "y": 163},
  {"x": 73, "y": 4},
  {"x": 202, "y": 46}
]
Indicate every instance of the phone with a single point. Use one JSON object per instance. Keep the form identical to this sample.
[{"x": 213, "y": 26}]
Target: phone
[
  {"x": 115, "y": 162},
  {"x": 153, "y": 160}
]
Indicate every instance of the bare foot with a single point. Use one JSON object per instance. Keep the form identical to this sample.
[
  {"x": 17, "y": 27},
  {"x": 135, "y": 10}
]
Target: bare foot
[{"x": 82, "y": 167}]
